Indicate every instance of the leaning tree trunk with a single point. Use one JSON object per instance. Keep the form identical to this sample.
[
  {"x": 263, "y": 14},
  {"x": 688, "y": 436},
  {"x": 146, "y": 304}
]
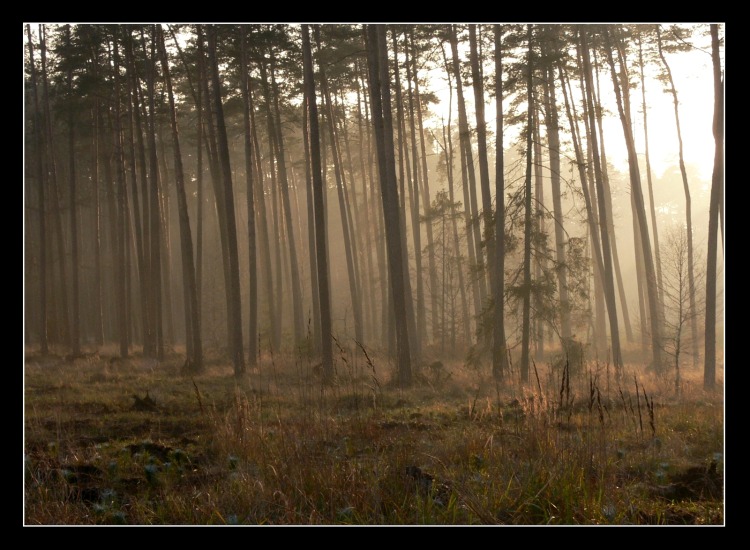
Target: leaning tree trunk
[
  {"x": 609, "y": 284},
  {"x": 622, "y": 97}
]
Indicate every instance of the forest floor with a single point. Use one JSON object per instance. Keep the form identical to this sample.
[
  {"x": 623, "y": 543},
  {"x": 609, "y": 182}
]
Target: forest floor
[{"x": 110, "y": 441}]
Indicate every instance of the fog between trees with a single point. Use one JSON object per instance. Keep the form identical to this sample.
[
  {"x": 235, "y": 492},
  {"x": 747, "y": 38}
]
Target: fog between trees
[{"x": 263, "y": 188}]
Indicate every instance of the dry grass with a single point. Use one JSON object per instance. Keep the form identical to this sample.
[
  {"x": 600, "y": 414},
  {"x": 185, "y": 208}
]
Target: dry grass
[{"x": 278, "y": 448}]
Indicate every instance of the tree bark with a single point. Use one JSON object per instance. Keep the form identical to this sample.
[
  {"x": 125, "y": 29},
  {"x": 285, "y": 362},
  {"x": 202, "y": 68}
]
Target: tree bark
[
  {"x": 320, "y": 233},
  {"x": 717, "y": 182}
]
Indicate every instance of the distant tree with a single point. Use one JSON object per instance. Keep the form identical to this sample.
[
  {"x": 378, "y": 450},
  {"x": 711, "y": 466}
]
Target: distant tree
[
  {"x": 688, "y": 202},
  {"x": 679, "y": 306}
]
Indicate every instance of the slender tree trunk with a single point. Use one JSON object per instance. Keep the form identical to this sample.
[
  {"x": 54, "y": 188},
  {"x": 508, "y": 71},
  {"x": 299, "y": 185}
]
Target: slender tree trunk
[
  {"x": 609, "y": 285},
  {"x": 120, "y": 220},
  {"x": 265, "y": 247},
  {"x": 75, "y": 333},
  {"x": 688, "y": 207},
  {"x": 381, "y": 111},
  {"x": 194, "y": 346},
  {"x": 426, "y": 198},
  {"x": 525, "y": 335},
  {"x": 583, "y": 176},
  {"x": 41, "y": 183},
  {"x": 539, "y": 228},
  {"x": 499, "y": 352},
  {"x": 469, "y": 181},
  {"x": 623, "y": 102},
  {"x": 484, "y": 171},
  {"x": 654, "y": 225},
  {"x": 235, "y": 329},
  {"x": 320, "y": 233},
  {"x": 368, "y": 225},
  {"x": 717, "y": 181},
  {"x": 54, "y": 194},
  {"x": 347, "y": 230},
  {"x": 252, "y": 323},
  {"x": 553, "y": 137},
  {"x": 154, "y": 219},
  {"x": 610, "y": 210},
  {"x": 416, "y": 327},
  {"x": 316, "y": 336},
  {"x": 471, "y": 245}
]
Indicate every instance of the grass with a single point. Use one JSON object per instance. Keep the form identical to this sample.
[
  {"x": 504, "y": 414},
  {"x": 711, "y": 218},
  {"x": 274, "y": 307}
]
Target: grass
[{"x": 278, "y": 448}]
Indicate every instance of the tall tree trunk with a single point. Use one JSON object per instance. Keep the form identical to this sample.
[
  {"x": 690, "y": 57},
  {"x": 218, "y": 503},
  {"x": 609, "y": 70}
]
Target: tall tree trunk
[
  {"x": 41, "y": 183},
  {"x": 311, "y": 238},
  {"x": 582, "y": 173},
  {"x": 235, "y": 329},
  {"x": 416, "y": 328},
  {"x": 265, "y": 247},
  {"x": 610, "y": 210},
  {"x": 539, "y": 227},
  {"x": 525, "y": 334},
  {"x": 623, "y": 102},
  {"x": 120, "y": 198},
  {"x": 553, "y": 137},
  {"x": 499, "y": 352},
  {"x": 75, "y": 328},
  {"x": 484, "y": 171},
  {"x": 320, "y": 233},
  {"x": 470, "y": 243},
  {"x": 155, "y": 284},
  {"x": 717, "y": 181},
  {"x": 54, "y": 195},
  {"x": 380, "y": 99},
  {"x": 347, "y": 230},
  {"x": 609, "y": 284},
  {"x": 426, "y": 198},
  {"x": 688, "y": 207},
  {"x": 654, "y": 225},
  {"x": 469, "y": 181},
  {"x": 192, "y": 313},
  {"x": 278, "y": 143},
  {"x": 368, "y": 225},
  {"x": 252, "y": 323}
]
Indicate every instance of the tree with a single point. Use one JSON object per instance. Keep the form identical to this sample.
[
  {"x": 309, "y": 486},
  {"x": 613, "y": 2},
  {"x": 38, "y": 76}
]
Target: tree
[
  {"x": 499, "y": 360},
  {"x": 234, "y": 302},
  {"x": 688, "y": 203},
  {"x": 679, "y": 305},
  {"x": 380, "y": 101},
  {"x": 194, "y": 346},
  {"x": 717, "y": 182},
  {"x": 320, "y": 223}
]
